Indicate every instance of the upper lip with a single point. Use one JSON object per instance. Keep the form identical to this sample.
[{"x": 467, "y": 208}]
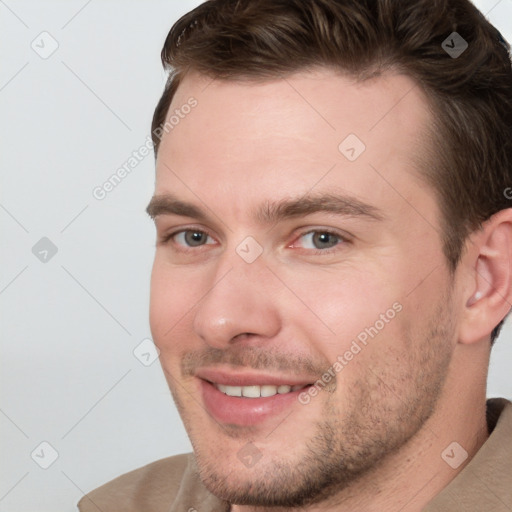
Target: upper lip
[{"x": 241, "y": 378}]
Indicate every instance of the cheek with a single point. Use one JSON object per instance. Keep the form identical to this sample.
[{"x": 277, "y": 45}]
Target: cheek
[
  {"x": 346, "y": 303},
  {"x": 173, "y": 296}
]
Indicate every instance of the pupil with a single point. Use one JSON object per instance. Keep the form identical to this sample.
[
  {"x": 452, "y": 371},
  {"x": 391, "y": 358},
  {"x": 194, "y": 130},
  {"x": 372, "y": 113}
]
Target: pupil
[
  {"x": 194, "y": 238},
  {"x": 324, "y": 240}
]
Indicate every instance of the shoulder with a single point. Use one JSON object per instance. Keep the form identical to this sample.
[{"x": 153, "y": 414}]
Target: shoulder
[
  {"x": 486, "y": 482},
  {"x": 150, "y": 488}
]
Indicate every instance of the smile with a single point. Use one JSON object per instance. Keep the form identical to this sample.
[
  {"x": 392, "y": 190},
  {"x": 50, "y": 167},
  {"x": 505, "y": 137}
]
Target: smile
[
  {"x": 263, "y": 391},
  {"x": 248, "y": 397}
]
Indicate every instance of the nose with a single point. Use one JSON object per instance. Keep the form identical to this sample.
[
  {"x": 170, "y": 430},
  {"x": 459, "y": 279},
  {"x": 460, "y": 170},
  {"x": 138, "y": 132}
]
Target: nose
[{"x": 241, "y": 304}]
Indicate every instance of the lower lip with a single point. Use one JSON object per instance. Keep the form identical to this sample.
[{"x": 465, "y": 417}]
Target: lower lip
[{"x": 244, "y": 411}]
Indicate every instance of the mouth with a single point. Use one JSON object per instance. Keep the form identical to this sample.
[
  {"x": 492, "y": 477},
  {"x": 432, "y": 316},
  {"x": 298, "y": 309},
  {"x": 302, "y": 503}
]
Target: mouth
[{"x": 246, "y": 399}]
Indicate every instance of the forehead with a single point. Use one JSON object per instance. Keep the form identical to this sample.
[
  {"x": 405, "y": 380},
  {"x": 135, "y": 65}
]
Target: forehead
[
  {"x": 316, "y": 103},
  {"x": 311, "y": 130}
]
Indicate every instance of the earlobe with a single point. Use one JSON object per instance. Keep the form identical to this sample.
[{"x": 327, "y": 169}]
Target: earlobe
[{"x": 490, "y": 260}]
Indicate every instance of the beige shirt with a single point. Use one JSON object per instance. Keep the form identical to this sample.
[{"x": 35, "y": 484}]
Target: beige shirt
[{"x": 173, "y": 485}]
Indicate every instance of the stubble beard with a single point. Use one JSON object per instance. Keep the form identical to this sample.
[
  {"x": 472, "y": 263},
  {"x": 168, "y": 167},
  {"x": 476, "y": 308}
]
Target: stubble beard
[{"x": 387, "y": 407}]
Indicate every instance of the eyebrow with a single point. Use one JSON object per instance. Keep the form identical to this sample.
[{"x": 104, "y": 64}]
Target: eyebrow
[{"x": 272, "y": 212}]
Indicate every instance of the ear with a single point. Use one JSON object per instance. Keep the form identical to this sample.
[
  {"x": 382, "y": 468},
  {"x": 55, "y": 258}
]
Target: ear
[{"x": 488, "y": 294}]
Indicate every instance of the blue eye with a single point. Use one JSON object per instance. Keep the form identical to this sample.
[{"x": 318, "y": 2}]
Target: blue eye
[
  {"x": 190, "y": 237},
  {"x": 321, "y": 240}
]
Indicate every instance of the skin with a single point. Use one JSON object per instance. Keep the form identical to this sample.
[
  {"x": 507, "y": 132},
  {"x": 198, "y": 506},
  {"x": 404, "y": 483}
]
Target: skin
[{"x": 373, "y": 439}]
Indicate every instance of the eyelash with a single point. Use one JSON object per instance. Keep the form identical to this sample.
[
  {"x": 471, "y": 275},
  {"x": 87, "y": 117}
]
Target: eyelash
[{"x": 342, "y": 240}]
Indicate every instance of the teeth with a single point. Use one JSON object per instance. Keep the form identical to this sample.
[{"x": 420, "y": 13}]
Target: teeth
[
  {"x": 251, "y": 391},
  {"x": 257, "y": 391},
  {"x": 233, "y": 390},
  {"x": 268, "y": 390}
]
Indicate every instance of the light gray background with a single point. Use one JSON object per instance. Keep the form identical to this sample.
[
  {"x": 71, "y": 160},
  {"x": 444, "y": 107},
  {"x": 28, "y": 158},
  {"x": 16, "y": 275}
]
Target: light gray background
[{"x": 69, "y": 326}]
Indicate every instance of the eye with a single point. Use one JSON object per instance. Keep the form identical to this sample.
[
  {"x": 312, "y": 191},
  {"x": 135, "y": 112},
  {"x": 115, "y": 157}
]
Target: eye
[
  {"x": 320, "y": 241},
  {"x": 189, "y": 238}
]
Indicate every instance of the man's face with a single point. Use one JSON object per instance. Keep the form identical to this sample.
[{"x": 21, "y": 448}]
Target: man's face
[{"x": 351, "y": 290}]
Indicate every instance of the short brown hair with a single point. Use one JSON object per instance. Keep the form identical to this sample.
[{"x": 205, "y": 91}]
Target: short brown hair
[{"x": 470, "y": 95}]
